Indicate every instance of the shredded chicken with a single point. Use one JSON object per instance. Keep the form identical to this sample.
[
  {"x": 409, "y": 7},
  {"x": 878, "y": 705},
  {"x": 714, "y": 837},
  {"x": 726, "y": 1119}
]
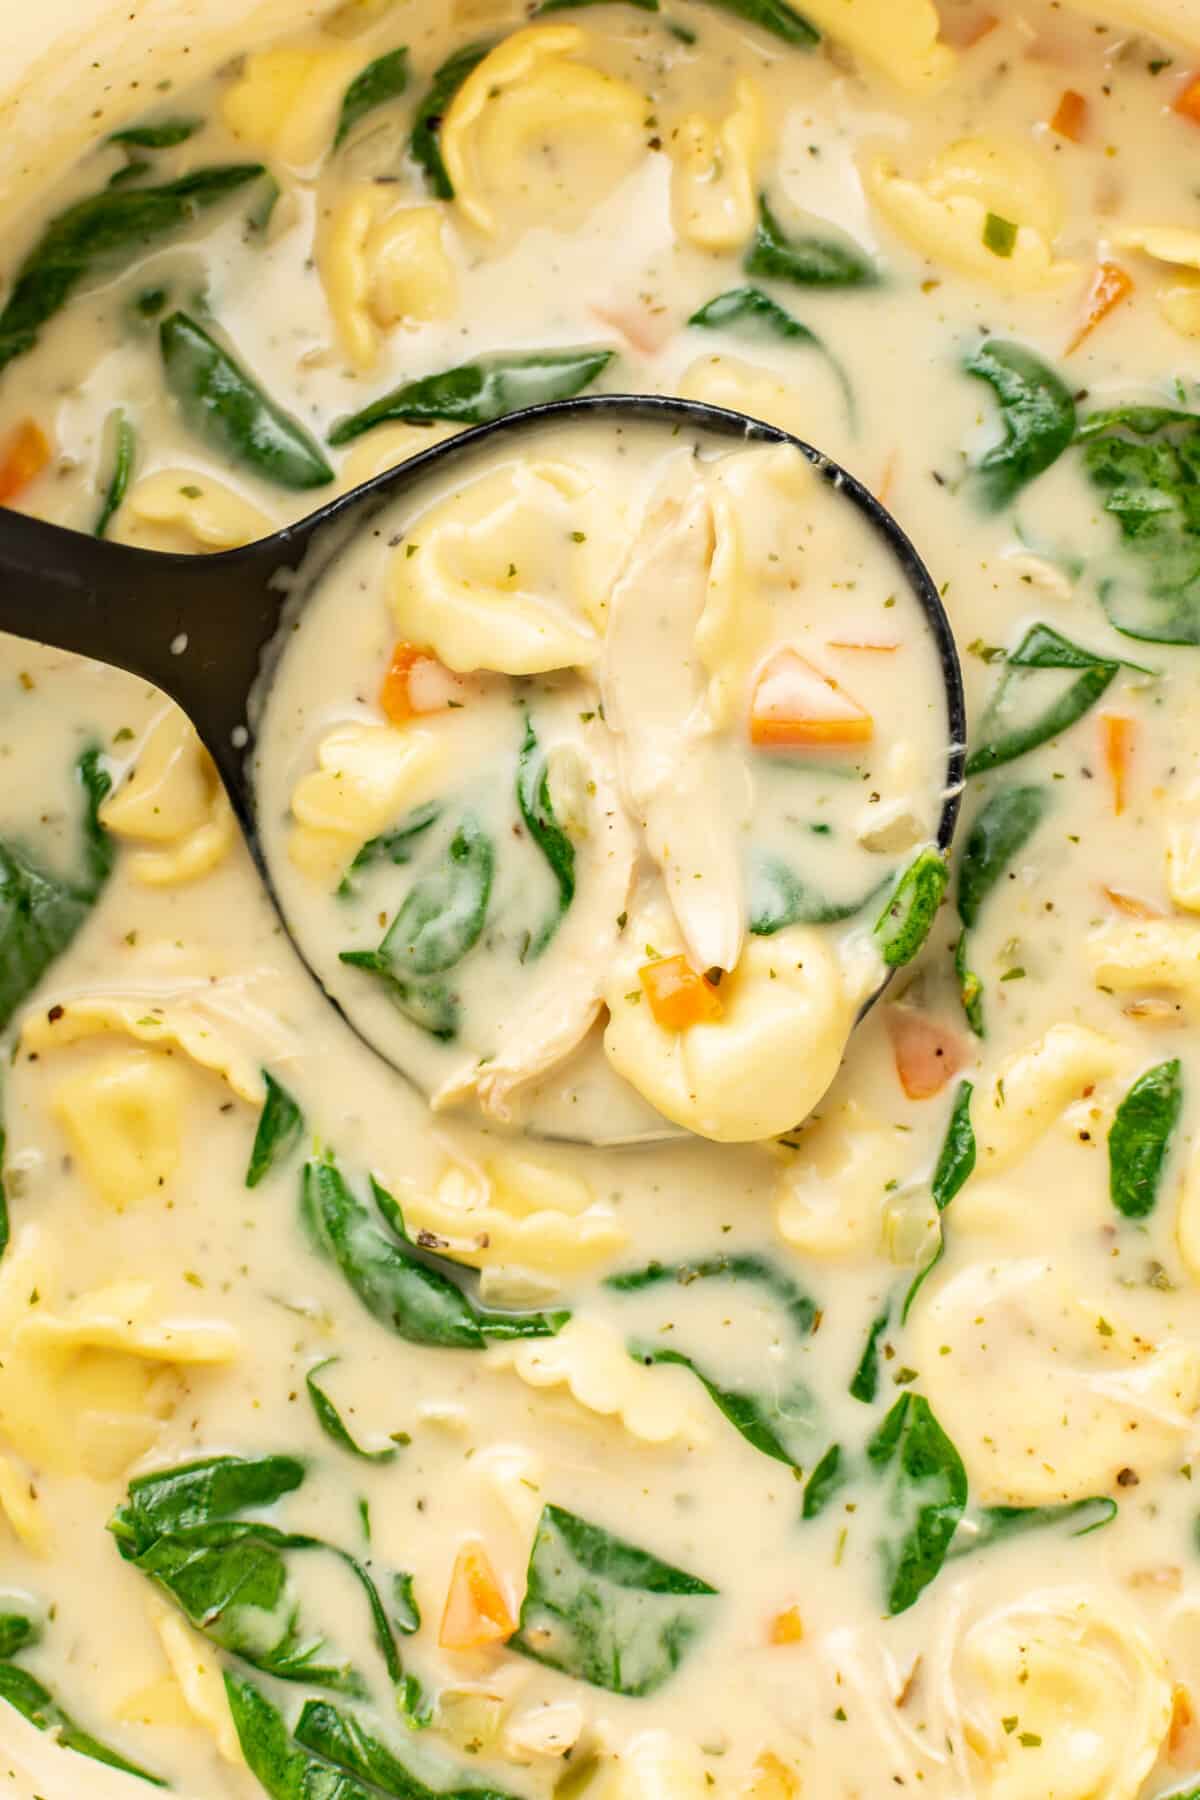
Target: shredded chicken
[{"x": 690, "y": 801}]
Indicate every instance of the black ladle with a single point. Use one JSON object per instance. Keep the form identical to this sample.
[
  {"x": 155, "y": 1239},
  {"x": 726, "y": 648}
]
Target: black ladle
[{"x": 201, "y": 627}]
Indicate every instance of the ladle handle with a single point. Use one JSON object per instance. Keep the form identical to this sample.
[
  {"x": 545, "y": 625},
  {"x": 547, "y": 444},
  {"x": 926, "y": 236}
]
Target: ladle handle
[{"x": 192, "y": 625}]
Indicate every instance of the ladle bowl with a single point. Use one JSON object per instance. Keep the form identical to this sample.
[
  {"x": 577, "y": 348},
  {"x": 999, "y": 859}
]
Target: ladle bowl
[{"x": 202, "y": 627}]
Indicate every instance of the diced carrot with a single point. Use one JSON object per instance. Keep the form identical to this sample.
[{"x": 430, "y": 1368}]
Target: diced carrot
[
  {"x": 1071, "y": 116},
  {"x": 643, "y": 329},
  {"x": 1187, "y": 101},
  {"x": 477, "y": 1612},
  {"x": 962, "y": 31},
  {"x": 1181, "y": 1718},
  {"x": 1116, "y": 736},
  {"x": 416, "y": 682},
  {"x": 795, "y": 706},
  {"x": 928, "y": 1054},
  {"x": 1131, "y": 905},
  {"x": 787, "y": 1627},
  {"x": 887, "y": 479},
  {"x": 1110, "y": 286},
  {"x": 678, "y": 996},
  {"x": 25, "y": 456}
]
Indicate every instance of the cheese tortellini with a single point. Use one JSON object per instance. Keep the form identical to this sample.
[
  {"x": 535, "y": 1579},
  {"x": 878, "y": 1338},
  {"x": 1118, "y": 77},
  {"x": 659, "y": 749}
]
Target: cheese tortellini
[
  {"x": 535, "y": 133},
  {"x": 741, "y": 386},
  {"x": 87, "y": 1384},
  {"x": 1179, "y": 249},
  {"x": 714, "y": 185},
  {"x": 186, "y": 511},
  {"x": 1064, "y": 1698},
  {"x": 898, "y": 37},
  {"x": 1049, "y": 1394},
  {"x": 382, "y": 267},
  {"x": 511, "y": 574},
  {"x": 947, "y": 215},
  {"x": 123, "y": 1111},
  {"x": 123, "y": 1118},
  {"x": 366, "y": 776},
  {"x": 1033, "y": 1087},
  {"x": 514, "y": 1212},
  {"x": 590, "y": 1360},
  {"x": 829, "y": 1199},
  {"x": 173, "y": 802},
  {"x": 285, "y": 104},
  {"x": 786, "y": 1012},
  {"x": 1131, "y": 954}
]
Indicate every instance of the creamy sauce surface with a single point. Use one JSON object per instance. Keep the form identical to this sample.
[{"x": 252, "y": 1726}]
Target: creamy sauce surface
[{"x": 826, "y": 1456}]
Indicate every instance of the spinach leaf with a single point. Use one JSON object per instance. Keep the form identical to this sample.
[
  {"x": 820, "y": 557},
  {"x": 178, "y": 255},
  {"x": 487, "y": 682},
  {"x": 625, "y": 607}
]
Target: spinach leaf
[
  {"x": 907, "y": 919},
  {"x": 1005, "y": 735},
  {"x": 970, "y": 987},
  {"x": 1038, "y": 414},
  {"x": 478, "y": 392},
  {"x": 779, "y": 898},
  {"x": 927, "y": 1495},
  {"x": 1140, "y": 1138},
  {"x": 124, "y": 447},
  {"x": 956, "y": 1159},
  {"x": 433, "y": 107},
  {"x": 750, "y": 312},
  {"x": 228, "y": 409},
  {"x": 41, "y": 912},
  {"x": 441, "y": 919},
  {"x": 99, "y": 234},
  {"x": 779, "y": 1425},
  {"x": 162, "y": 136},
  {"x": 537, "y": 810},
  {"x": 955, "y": 1166},
  {"x": 231, "y": 1576},
  {"x": 825, "y": 1482},
  {"x": 799, "y": 1309},
  {"x": 864, "y": 1383},
  {"x": 810, "y": 261},
  {"x": 396, "y": 1286},
  {"x": 601, "y": 1609},
  {"x": 405, "y": 1610},
  {"x": 999, "y": 833},
  {"x": 331, "y": 1422},
  {"x": 397, "y": 847},
  {"x": 382, "y": 80},
  {"x": 1145, "y": 462},
  {"x": 284, "y": 1771},
  {"x": 215, "y": 1487},
  {"x": 991, "y": 1524},
  {"x": 443, "y": 916},
  {"x": 280, "y": 1128},
  {"x": 37, "y": 1704},
  {"x": 18, "y": 1630},
  {"x": 344, "y": 1740},
  {"x": 775, "y": 16}
]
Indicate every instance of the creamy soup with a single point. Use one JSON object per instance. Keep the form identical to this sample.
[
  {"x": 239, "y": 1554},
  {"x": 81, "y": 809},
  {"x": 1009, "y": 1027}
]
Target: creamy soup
[
  {"x": 617, "y": 741},
  {"x": 844, "y": 1443}
]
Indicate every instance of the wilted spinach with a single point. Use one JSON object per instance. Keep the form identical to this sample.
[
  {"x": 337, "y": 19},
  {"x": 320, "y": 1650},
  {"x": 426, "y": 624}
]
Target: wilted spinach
[
  {"x": 537, "y": 810},
  {"x": 907, "y": 919},
  {"x": 601, "y": 1609},
  {"x": 1145, "y": 462},
  {"x": 926, "y": 1497},
  {"x": 1038, "y": 414},
  {"x": 382, "y": 80},
  {"x": 41, "y": 912},
  {"x": 812, "y": 260},
  {"x": 280, "y": 1128},
  {"x": 1139, "y": 1139},
  {"x": 478, "y": 392}
]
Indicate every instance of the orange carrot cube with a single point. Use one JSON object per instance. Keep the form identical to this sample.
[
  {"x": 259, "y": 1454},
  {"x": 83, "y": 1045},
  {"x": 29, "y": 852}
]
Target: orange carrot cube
[
  {"x": 796, "y": 706},
  {"x": 476, "y": 1611},
  {"x": 678, "y": 996}
]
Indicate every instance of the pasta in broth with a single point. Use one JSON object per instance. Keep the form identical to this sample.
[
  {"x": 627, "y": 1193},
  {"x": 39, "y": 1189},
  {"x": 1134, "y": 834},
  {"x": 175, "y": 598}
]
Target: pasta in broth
[{"x": 351, "y": 1447}]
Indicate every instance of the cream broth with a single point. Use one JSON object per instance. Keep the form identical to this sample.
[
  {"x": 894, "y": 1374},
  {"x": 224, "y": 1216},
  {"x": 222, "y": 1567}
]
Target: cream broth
[{"x": 855, "y": 1460}]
